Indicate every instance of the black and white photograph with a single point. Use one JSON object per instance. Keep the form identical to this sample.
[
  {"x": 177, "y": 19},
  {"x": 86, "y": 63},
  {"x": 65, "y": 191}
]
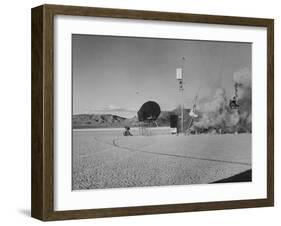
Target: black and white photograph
[{"x": 160, "y": 112}]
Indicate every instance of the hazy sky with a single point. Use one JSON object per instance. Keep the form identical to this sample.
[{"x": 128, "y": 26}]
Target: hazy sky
[{"x": 118, "y": 74}]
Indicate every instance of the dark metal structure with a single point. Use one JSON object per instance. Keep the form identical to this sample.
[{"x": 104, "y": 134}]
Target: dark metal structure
[
  {"x": 149, "y": 111},
  {"x": 147, "y": 116},
  {"x": 174, "y": 121},
  {"x": 233, "y": 104}
]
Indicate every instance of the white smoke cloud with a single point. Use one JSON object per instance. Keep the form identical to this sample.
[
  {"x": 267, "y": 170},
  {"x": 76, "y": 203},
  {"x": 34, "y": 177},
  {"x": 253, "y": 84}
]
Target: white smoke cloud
[
  {"x": 217, "y": 114},
  {"x": 243, "y": 77}
]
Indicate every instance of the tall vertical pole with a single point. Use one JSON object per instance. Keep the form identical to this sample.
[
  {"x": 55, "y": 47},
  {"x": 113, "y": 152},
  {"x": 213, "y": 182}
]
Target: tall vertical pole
[
  {"x": 182, "y": 107},
  {"x": 181, "y": 89}
]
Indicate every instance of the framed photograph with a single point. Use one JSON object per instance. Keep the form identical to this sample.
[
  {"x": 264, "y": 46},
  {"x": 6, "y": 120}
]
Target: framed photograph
[{"x": 141, "y": 112}]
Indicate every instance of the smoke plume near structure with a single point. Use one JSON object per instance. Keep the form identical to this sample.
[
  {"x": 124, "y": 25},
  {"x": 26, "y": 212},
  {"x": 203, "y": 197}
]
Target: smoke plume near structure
[{"x": 216, "y": 113}]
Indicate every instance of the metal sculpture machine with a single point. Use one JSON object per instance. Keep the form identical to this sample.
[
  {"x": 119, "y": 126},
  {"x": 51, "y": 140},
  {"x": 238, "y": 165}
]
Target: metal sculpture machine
[{"x": 147, "y": 116}]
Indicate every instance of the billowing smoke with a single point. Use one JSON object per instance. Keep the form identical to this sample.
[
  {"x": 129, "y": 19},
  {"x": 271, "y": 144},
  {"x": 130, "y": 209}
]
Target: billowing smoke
[
  {"x": 244, "y": 82},
  {"x": 217, "y": 115}
]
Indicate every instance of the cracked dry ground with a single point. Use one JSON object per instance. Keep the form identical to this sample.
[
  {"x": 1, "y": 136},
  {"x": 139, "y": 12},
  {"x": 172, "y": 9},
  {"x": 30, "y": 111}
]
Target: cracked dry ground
[{"x": 106, "y": 160}]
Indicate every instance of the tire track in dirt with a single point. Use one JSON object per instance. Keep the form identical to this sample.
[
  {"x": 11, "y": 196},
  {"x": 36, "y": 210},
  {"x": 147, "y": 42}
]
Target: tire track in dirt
[{"x": 175, "y": 155}]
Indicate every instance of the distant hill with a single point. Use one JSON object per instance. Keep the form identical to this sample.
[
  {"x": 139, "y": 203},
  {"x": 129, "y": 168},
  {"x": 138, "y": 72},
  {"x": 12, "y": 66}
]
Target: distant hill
[
  {"x": 99, "y": 121},
  {"x": 114, "y": 121}
]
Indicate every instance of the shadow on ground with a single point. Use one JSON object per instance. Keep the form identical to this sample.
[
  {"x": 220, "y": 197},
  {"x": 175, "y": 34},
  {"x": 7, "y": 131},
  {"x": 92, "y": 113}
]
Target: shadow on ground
[
  {"x": 245, "y": 176},
  {"x": 25, "y": 212}
]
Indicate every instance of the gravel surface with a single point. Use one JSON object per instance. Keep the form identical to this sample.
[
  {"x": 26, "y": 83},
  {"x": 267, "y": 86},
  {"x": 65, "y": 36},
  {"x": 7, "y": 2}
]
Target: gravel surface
[{"x": 104, "y": 159}]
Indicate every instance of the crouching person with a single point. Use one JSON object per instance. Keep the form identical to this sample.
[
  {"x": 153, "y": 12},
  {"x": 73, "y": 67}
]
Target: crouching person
[{"x": 127, "y": 131}]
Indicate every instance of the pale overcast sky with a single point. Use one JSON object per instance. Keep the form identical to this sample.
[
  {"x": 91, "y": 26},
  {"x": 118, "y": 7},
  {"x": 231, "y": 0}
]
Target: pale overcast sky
[{"x": 118, "y": 74}]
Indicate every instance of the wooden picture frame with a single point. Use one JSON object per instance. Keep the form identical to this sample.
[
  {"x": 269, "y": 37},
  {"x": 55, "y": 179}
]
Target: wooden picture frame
[{"x": 42, "y": 203}]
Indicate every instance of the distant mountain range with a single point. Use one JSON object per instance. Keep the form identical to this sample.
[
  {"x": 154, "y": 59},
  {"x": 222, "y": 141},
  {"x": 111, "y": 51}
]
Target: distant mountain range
[{"x": 114, "y": 121}]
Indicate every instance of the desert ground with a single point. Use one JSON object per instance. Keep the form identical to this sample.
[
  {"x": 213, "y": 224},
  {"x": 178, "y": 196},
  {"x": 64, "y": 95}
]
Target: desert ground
[{"x": 103, "y": 158}]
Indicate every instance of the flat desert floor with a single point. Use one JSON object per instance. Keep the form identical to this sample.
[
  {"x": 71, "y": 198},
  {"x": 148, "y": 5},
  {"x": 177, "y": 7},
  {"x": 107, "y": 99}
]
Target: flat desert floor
[{"x": 103, "y": 158}]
